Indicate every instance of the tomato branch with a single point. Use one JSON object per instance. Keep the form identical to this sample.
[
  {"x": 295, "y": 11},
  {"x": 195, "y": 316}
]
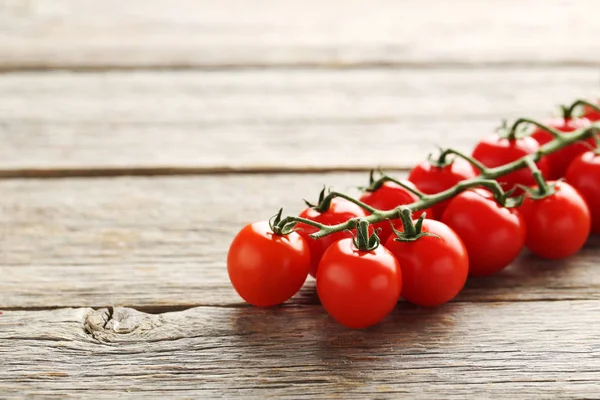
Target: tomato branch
[{"x": 486, "y": 179}]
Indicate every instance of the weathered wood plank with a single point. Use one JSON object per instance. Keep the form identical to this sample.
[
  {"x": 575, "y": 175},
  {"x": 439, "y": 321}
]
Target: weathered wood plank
[
  {"x": 161, "y": 243},
  {"x": 461, "y": 350},
  {"x": 230, "y": 33},
  {"x": 276, "y": 120}
]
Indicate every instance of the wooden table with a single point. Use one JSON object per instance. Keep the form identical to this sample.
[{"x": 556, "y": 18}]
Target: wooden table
[{"x": 138, "y": 137}]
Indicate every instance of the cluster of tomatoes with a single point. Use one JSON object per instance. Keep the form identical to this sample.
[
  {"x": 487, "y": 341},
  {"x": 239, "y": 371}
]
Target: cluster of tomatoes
[{"x": 472, "y": 234}]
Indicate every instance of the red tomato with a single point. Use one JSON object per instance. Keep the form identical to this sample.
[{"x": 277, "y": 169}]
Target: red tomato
[
  {"x": 592, "y": 114},
  {"x": 267, "y": 269},
  {"x": 340, "y": 211},
  {"x": 495, "y": 151},
  {"x": 584, "y": 175},
  {"x": 431, "y": 179},
  {"x": 434, "y": 269},
  {"x": 358, "y": 288},
  {"x": 493, "y": 235},
  {"x": 389, "y": 196},
  {"x": 559, "y": 161},
  {"x": 557, "y": 225}
]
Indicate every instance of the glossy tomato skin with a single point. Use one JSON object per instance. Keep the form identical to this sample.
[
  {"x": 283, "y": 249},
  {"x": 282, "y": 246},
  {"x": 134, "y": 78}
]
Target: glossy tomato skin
[
  {"x": 431, "y": 179},
  {"x": 340, "y": 211},
  {"x": 558, "y": 225},
  {"x": 389, "y": 196},
  {"x": 559, "y": 161},
  {"x": 493, "y": 235},
  {"x": 495, "y": 151},
  {"x": 267, "y": 269},
  {"x": 584, "y": 175},
  {"x": 434, "y": 269},
  {"x": 358, "y": 288}
]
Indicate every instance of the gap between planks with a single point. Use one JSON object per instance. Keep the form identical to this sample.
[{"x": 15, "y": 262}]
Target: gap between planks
[
  {"x": 357, "y": 66},
  {"x": 101, "y": 172}
]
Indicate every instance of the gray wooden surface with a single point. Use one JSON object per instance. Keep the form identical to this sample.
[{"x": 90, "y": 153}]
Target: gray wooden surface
[{"x": 114, "y": 285}]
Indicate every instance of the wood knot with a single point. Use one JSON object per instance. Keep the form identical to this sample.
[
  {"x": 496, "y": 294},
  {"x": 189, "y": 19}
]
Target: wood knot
[{"x": 113, "y": 324}]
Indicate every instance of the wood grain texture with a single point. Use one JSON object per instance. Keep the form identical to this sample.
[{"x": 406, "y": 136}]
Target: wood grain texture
[
  {"x": 161, "y": 243},
  {"x": 166, "y": 122},
  {"x": 238, "y": 33},
  {"x": 461, "y": 350}
]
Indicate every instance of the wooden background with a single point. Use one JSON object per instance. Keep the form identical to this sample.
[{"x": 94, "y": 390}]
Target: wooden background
[{"x": 137, "y": 137}]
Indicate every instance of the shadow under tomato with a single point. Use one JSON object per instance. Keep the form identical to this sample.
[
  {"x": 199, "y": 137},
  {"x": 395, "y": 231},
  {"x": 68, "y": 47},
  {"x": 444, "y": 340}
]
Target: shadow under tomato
[{"x": 530, "y": 277}]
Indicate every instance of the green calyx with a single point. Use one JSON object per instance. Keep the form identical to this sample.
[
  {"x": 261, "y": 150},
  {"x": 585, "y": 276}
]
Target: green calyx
[
  {"x": 412, "y": 231},
  {"x": 567, "y": 112},
  {"x": 507, "y": 132},
  {"x": 364, "y": 241},
  {"x": 281, "y": 227},
  {"x": 503, "y": 198},
  {"x": 374, "y": 184},
  {"x": 323, "y": 203}
]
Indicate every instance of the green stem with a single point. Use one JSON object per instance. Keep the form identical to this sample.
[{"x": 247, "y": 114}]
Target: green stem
[
  {"x": 407, "y": 222},
  {"x": 581, "y": 102},
  {"x": 520, "y": 121},
  {"x": 385, "y": 178},
  {"x": 544, "y": 188},
  {"x": 363, "y": 241},
  {"x": 326, "y": 202},
  {"x": 482, "y": 168}
]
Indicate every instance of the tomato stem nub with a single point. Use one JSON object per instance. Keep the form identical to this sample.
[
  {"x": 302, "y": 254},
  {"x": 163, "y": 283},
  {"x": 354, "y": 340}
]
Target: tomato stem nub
[
  {"x": 412, "y": 231},
  {"x": 363, "y": 241},
  {"x": 544, "y": 190},
  {"x": 566, "y": 112}
]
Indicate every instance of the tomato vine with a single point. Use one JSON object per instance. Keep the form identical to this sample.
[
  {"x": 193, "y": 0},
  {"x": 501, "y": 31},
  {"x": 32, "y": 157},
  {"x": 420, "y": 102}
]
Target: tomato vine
[{"x": 486, "y": 178}]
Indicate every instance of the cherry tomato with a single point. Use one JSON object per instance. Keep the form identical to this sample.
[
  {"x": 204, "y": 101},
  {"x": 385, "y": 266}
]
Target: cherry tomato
[
  {"x": 340, "y": 211},
  {"x": 387, "y": 197},
  {"x": 557, "y": 225},
  {"x": 267, "y": 269},
  {"x": 434, "y": 269},
  {"x": 584, "y": 175},
  {"x": 592, "y": 114},
  {"x": 493, "y": 235},
  {"x": 358, "y": 288},
  {"x": 559, "y": 161},
  {"x": 495, "y": 151},
  {"x": 431, "y": 179}
]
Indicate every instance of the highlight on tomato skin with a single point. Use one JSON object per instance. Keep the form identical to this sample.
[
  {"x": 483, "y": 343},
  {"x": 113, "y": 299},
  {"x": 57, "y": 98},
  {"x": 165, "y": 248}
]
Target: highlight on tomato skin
[
  {"x": 431, "y": 179},
  {"x": 267, "y": 269},
  {"x": 358, "y": 288},
  {"x": 389, "y": 196},
  {"x": 558, "y": 225},
  {"x": 559, "y": 161},
  {"x": 493, "y": 235},
  {"x": 584, "y": 175},
  {"x": 434, "y": 268},
  {"x": 341, "y": 210},
  {"x": 494, "y": 151}
]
